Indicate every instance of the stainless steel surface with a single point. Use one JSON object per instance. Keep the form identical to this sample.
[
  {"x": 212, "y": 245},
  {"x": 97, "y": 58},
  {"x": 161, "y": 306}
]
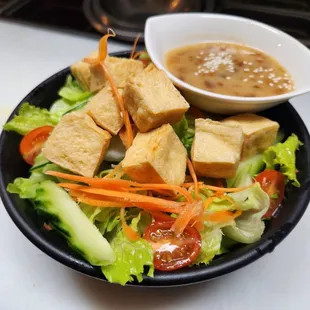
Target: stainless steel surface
[{"x": 127, "y": 17}]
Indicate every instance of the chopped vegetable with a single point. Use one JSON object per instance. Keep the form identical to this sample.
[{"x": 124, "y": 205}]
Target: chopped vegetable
[
  {"x": 32, "y": 143},
  {"x": 185, "y": 133},
  {"x": 72, "y": 92},
  {"x": 211, "y": 245},
  {"x": 283, "y": 155},
  {"x": 131, "y": 257},
  {"x": 273, "y": 183},
  {"x": 172, "y": 251},
  {"x": 28, "y": 118},
  {"x": 249, "y": 227}
]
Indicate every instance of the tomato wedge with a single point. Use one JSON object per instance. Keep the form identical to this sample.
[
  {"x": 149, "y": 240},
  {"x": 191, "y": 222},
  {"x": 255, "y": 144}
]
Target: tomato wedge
[
  {"x": 32, "y": 143},
  {"x": 273, "y": 183},
  {"x": 172, "y": 251}
]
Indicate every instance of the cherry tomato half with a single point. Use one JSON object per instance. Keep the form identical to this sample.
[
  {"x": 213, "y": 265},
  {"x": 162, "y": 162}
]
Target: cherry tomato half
[
  {"x": 273, "y": 183},
  {"x": 172, "y": 251},
  {"x": 32, "y": 143}
]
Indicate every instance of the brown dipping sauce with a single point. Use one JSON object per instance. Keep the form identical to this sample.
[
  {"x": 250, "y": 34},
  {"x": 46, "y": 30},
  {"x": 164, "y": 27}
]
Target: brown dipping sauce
[{"x": 229, "y": 69}]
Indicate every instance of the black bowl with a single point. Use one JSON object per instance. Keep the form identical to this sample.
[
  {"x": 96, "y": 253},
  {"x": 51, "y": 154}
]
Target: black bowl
[{"x": 21, "y": 212}]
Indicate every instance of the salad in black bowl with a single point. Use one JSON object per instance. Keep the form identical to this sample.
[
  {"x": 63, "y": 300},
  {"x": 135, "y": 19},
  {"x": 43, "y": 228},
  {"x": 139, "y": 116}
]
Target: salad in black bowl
[{"x": 142, "y": 187}]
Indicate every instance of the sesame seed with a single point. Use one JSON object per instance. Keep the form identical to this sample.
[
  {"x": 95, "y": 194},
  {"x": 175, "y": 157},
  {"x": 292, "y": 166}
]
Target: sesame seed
[
  {"x": 245, "y": 62},
  {"x": 280, "y": 87},
  {"x": 246, "y": 69},
  {"x": 245, "y": 80},
  {"x": 260, "y": 82},
  {"x": 251, "y": 76},
  {"x": 228, "y": 77},
  {"x": 250, "y": 63},
  {"x": 261, "y": 76},
  {"x": 271, "y": 84},
  {"x": 285, "y": 74}
]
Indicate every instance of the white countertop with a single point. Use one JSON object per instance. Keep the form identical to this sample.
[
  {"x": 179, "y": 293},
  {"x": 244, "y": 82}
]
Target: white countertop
[{"x": 29, "y": 279}]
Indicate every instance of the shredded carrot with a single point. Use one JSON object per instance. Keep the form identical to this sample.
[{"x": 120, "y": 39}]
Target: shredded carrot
[
  {"x": 134, "y": 46},
  {"x": 95, "y": 202},
  {"x": 120, "y": 102},
  {"x": 222, "y": 216},
  {"x": 194, "y": 176},
  {"x": 129, "y": 232},
  {"x": 103, "y": 50},
  {"x": 190, "y": 184},
  {"x": 130, "y": 198},
  {"x": 226, "y": 190},
  {"x": 160, "y": 191},
  {"x": 119, "y": 183},
  {"x": 208, "y": 201},
  {"x": 137, "y": 54},
  {"x": 191, "y": 211}
]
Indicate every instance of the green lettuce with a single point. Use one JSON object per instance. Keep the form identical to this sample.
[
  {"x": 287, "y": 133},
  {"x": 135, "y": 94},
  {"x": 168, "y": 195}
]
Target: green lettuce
[
  {"x": 131, "y": 257},
  {"x": 248, "y": 227},
  {"x": 247, "y": 169},
  {"x": 108, "y": 219},
  {"x": 30, "y": 117},
  {"x": 210, "y": 246},
  {"x": 282, "y": 155},
  {"x": 185, "y": 131},
  {"x": 26, "y": 187},
  {"x": 90, "y": 211},
  {"x": 71, "y": 91}
]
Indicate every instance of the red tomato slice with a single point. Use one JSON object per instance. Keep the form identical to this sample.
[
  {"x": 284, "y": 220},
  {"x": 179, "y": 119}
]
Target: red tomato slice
[
  {"x": 172, "y": 251},
  {"x": 32, "y": 143},
  {"x": 273, "y": 183}
]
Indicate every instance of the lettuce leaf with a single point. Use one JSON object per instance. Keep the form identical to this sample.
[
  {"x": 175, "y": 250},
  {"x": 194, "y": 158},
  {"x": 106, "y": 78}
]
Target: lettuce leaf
[
  {"x": 131, "y": 257},
  {"x": 246, "y": 171},
  {"x": 30, "y": 117},
  {"x": 26, "y": 187},
  {"x": 211, "y": 245},
  {"x": 107, "y": 219},
  {"x": 283, "y": 155},
  {"x": 248, "y": 227},
  {"x": 71, "y": 91},
  {"x": 185, "y": 131},
  {"x": 90, "y": 211}
]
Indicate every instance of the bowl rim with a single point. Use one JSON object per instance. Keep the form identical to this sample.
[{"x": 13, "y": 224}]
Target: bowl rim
[
  {"x": 222, "y": 98},
  {"x": 179, "y": 278}
]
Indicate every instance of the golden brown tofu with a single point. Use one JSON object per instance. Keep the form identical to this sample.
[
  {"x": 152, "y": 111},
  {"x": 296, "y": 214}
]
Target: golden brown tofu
[
  {"x": 92, "y": 78},
  {"x": 104, "y": 110},
  {"x": 156, "y": 157},
  {"x": 216, "y": 149},
  {"x": 152, "y": 100},
  {"x": 77, "y": 144},
  {"x": 259, "y": 132},
  {"x": 81, "y": 71}
]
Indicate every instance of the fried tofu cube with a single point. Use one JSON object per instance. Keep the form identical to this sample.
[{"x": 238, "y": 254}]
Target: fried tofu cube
[
  {"x": 105, "y": 111},
  {"x": 259, "y": 132},
  {"x": 92, "y": 77},
  {"x": 156, "y": 157},
  {"x": 152, "y": 100},
  {"x": 77, "y": 144},
  {"x": 81, "y": 71},
  {"x": 216, "y": 149}
]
